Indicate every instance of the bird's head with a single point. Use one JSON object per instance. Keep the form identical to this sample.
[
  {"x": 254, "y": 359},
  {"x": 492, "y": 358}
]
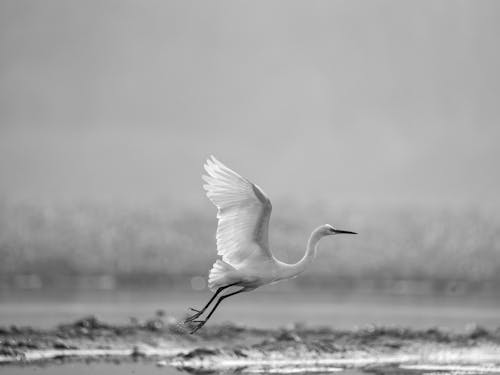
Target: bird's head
[{"x": 328, "y": 230}]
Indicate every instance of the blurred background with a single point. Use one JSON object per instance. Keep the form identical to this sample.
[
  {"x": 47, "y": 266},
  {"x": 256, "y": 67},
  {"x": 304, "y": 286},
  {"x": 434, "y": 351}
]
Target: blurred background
[{"x": 380, "y": 117}]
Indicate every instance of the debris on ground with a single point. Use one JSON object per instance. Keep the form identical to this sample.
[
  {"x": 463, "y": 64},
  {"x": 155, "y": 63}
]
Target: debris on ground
[{"x": 164, "y": 340}]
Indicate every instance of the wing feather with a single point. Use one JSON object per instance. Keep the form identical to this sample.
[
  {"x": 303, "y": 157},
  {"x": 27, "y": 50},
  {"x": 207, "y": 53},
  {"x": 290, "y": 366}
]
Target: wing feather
[{"x": 244, "y": 211}]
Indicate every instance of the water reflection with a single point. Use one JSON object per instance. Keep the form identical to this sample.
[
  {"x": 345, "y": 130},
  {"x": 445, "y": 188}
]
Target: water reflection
[
  {"x": 146, "y": 368},
  {"x": 337, "y": 308}
]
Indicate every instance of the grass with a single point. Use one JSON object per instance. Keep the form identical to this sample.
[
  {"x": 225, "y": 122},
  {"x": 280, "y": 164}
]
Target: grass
[{"x": 50, "y": 242}]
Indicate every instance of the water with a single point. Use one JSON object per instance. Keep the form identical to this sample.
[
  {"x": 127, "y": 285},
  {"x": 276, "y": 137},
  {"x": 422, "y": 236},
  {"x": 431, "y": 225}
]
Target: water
[
  {"x": 339, "y": 309},
  {"x": 275, "y": 308},
  {"x": 77, "y": 368},
  {"x": 145, "y": 368}
]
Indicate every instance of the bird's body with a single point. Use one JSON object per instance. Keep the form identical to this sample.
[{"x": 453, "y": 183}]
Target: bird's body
[
  {"x": 244, "y": 212},
  {"x": 257, "y": 270}
]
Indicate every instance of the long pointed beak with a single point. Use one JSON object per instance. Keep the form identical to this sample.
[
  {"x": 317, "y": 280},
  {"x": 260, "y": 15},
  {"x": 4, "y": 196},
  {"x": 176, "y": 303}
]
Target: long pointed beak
[{"x": 344, "y": 232}]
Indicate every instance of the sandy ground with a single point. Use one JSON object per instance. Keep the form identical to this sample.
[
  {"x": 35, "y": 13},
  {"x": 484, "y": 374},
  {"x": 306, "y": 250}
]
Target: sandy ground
[{"x": 168, "y": 342}]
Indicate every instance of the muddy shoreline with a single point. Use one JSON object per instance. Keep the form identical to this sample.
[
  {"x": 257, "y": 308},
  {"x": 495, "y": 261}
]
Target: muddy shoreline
[{"x": 168, "y": 342}]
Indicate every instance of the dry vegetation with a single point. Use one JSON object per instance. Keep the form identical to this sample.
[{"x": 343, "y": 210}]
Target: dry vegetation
[{"x": 40, "y": 244}]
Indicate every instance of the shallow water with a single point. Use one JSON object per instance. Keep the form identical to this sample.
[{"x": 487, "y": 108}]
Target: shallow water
[
  {"x": 146, "y": 368},
  {"x": 340, "y": 309},
  {"x": 77, "y": 368}
]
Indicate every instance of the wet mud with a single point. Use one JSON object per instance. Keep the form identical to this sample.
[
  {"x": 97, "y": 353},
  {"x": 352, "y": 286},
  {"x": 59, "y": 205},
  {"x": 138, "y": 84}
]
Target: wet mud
[{"x": 230, "y": 346}]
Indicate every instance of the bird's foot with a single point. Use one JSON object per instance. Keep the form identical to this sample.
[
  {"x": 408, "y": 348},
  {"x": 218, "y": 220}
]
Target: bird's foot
[
  {"x": 194, "y": 316},
  {"x": 201, "y": 323}
]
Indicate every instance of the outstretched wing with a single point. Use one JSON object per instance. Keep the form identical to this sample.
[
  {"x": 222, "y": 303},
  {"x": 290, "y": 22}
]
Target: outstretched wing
[{"x": 243, "y": 212}]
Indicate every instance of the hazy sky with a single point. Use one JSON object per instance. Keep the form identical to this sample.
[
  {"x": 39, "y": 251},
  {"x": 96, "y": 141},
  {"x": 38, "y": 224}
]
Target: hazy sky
[{"x": 357, "y": 101}]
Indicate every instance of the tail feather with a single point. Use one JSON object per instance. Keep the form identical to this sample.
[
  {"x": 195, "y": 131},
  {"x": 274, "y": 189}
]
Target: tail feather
[{"x": 217, "y": 275}]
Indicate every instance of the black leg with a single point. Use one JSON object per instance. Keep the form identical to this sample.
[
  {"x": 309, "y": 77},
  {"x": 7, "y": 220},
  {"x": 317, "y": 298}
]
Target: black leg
[
  {"x": 201, "y": 323},
  {"x": 199, "y": 312}
]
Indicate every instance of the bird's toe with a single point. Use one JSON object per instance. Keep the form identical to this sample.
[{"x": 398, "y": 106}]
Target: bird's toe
[
  {"x": 201, "y": 323},
  {"x": 192, "y": 317}
]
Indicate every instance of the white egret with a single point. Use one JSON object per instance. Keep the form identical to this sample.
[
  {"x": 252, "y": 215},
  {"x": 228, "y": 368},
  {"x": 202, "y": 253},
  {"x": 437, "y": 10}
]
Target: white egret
[{"x": 244, "y": 211}]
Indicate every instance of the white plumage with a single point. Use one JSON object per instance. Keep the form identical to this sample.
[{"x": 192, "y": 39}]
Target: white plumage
[{"x": 243, "y": 211}]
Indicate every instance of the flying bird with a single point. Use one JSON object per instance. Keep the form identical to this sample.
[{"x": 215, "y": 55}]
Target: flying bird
[{"x": 246, "y": 260}]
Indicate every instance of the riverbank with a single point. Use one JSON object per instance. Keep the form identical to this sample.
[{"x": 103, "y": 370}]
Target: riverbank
[{"x": 168, "y": 342}]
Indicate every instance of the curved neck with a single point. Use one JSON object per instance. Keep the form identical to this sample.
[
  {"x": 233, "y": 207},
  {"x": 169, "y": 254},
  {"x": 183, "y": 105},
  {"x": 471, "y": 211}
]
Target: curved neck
[{"x": 310, "y": 254}]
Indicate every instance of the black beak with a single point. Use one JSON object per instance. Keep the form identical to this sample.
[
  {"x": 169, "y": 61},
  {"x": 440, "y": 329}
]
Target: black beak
[{"x": 337, "y": 231}]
